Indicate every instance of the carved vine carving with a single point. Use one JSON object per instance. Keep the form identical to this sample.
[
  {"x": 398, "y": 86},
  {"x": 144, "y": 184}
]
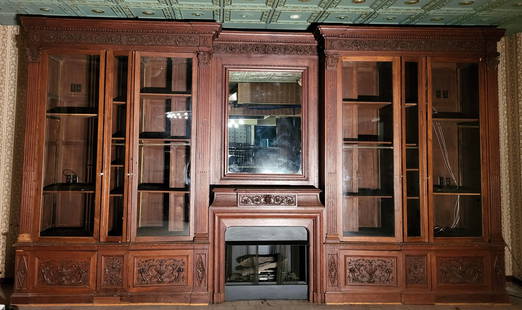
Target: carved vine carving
[
  {"x": 151, "y": 271},
  {"x": 332, "y": 269},
  {"x": 264, "y": 48},
  {"x": 461, "y": 270},
  {"x": 64, "y": 272},
  {"x": 353, "y": 44},
  {"x": 416, "y": 270},
  {"x": 286, "y": 200},
  {"x": 113, "y": 271},
  {"x": 371, "y": 270},
  {"x": 21, "y": 272},
  {"x": 200, "y": 270}
]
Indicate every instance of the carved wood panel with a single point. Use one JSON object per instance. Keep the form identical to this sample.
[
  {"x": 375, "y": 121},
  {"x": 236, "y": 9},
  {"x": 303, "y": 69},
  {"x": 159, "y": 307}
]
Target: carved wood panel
[
  {"x": 460, "y": 270},
  {"x": 332, "y": 270},
  {"x": 366, "y": 270},
  {"x": 170, "y": 270},
  {"x": 200, "y": 270},
  {"x": 112, "y": 271},
  {"x": 63, "y": 272},
  {"x": 22, "y": 269},
  {"x": 251, "y": 200},
  {"x": 416, "y": 270}
]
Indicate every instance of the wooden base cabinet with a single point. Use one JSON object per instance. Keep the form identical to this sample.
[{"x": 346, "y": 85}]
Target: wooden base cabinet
[{"x": 175, "y": 162}]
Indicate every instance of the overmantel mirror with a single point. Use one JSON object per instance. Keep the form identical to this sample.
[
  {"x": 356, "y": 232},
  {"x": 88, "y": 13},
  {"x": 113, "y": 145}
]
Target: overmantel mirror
[{"x": 264, "y": 123}]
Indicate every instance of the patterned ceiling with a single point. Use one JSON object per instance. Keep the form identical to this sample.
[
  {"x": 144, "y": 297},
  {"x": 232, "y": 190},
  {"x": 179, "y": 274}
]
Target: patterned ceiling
[{"x": 283, "y": 14}]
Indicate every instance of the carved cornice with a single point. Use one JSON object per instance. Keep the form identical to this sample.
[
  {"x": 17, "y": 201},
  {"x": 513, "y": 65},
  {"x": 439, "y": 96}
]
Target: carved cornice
[
  {"x": 271, "y": 200},
  {"x": 40, "y": 31},
  {"x": 371, "y": 271},
  {"x": 399, "y": 44},
  {"x": 460, "y": 270}
]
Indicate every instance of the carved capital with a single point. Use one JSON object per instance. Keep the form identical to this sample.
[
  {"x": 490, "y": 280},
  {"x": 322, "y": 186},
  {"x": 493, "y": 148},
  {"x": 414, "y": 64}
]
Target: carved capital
[
  {"x": 331, "y": 62},
  {"x": 204, "y": 58}
]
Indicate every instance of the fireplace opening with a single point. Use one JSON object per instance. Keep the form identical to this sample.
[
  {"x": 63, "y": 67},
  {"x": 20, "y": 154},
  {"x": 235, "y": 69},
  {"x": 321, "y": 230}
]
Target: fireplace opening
[{"x": 266, "y": 263}]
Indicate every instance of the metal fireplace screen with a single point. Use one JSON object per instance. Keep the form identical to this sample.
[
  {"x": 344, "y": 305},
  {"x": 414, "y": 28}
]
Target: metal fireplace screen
[{"x": 266, "y": 263}]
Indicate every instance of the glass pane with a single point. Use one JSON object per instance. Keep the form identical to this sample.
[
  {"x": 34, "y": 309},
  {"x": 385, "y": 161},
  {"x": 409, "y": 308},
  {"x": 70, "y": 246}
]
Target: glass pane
[
  {"x": 456, "y": 150},
  {"x": 411, "y": 134},
  {"x": 164, "y": 147},
  {"x": 368, "y": 149},
  {"x": 264, "y": 122},
  {"x": 118, "y": 129},
  {"x": 166, "y": 75},
  {"x": 71, "y": 137}
]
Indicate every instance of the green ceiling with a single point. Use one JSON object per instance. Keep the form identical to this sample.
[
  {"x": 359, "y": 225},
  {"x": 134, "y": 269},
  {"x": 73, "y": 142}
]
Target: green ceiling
[{"x": 283, "y": 14}]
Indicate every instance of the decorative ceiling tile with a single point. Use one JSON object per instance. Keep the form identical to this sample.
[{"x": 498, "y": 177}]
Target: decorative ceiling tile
[
  {"x": 282, "y": 14},
  {"x": 247, "y": 16}
]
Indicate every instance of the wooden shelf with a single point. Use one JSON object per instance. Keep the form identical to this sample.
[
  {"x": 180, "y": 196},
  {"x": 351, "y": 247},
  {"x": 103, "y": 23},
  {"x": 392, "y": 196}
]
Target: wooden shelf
[
  {"x": 161, "y": 188},
  {"x": 456, "y": 194},
  {"x": 72, "y": 111},
  {"x": 119, "y": 102},
  {"x": 378, "y": 103},
  {"x": 161, "y": 95},
  {"x": 409, "y": 105},
  {"x": 69, "y": 187}
]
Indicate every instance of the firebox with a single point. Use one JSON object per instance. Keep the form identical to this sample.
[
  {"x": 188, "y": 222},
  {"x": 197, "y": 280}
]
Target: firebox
[{"x": 266, "y": 263}]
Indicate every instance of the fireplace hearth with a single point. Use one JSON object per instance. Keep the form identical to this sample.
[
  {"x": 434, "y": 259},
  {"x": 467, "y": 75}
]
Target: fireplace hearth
[{"x": 266, "y": 263}]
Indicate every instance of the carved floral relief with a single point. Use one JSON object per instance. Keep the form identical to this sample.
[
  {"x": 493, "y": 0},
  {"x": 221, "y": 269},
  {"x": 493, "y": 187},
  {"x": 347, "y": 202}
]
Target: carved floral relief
[
  {"x": 112, "y": 271},
  {"x": 416, "y": 273},
  {"x": 460, "y": 270},
  {"x": 371, "y": 270},
  {"x": 52, "y": 272},
  {"x": 284, "y": 200},
  {"x": 163, "y": 270}
]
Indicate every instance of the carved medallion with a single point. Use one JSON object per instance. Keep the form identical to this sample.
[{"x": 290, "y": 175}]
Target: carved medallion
[
  {"x": 21, "y": 272},
  {"x": 371, "y": 270},
  {"x": 460, "y": 270},
  {"x": 112, "y": 271},
  {"x": 416, "y": 270},
  {"x": 332, "y": 269},
  {"x": 201, "y": 271},
  {"x": 275, "y": 200},
  {"x": 164, "y": 271},
  {"x": 63, "y": 272}
]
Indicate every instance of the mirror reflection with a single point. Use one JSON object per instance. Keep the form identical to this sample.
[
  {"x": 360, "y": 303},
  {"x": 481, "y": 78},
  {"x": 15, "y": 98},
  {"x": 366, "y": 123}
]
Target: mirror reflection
[{"x": 264, "y": 122}]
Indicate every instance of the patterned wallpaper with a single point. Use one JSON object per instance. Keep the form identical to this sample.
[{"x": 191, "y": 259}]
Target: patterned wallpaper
[
  {"x": 510, "y": 102},
  {"x": 11, "y": 147}
]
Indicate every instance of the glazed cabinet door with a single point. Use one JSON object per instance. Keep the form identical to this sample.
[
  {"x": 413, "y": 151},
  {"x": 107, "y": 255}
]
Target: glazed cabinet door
[
  {"x": 162, "y": 153},
  {"x": 117, "y": 140},
  {"x": 371, "y": 153},
  {"x": 456, "y": 152},
  {"x": 72, "y": 159}
]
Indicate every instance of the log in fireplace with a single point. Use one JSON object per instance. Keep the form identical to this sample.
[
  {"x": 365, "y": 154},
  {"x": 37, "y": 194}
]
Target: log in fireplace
[{"x": 266, "y": 263}]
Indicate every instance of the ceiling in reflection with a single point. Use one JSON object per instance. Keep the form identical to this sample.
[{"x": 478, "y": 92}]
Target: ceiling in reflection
[{"x": 283, "y": 14}]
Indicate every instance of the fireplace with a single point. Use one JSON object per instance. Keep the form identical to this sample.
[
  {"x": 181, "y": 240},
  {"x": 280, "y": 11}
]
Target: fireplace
[{"x": 266, "y": 263}]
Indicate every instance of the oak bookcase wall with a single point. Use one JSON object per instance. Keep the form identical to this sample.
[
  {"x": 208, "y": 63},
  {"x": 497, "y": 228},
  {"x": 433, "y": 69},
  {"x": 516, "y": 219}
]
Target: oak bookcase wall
[{"x": 149, "y": 143}]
